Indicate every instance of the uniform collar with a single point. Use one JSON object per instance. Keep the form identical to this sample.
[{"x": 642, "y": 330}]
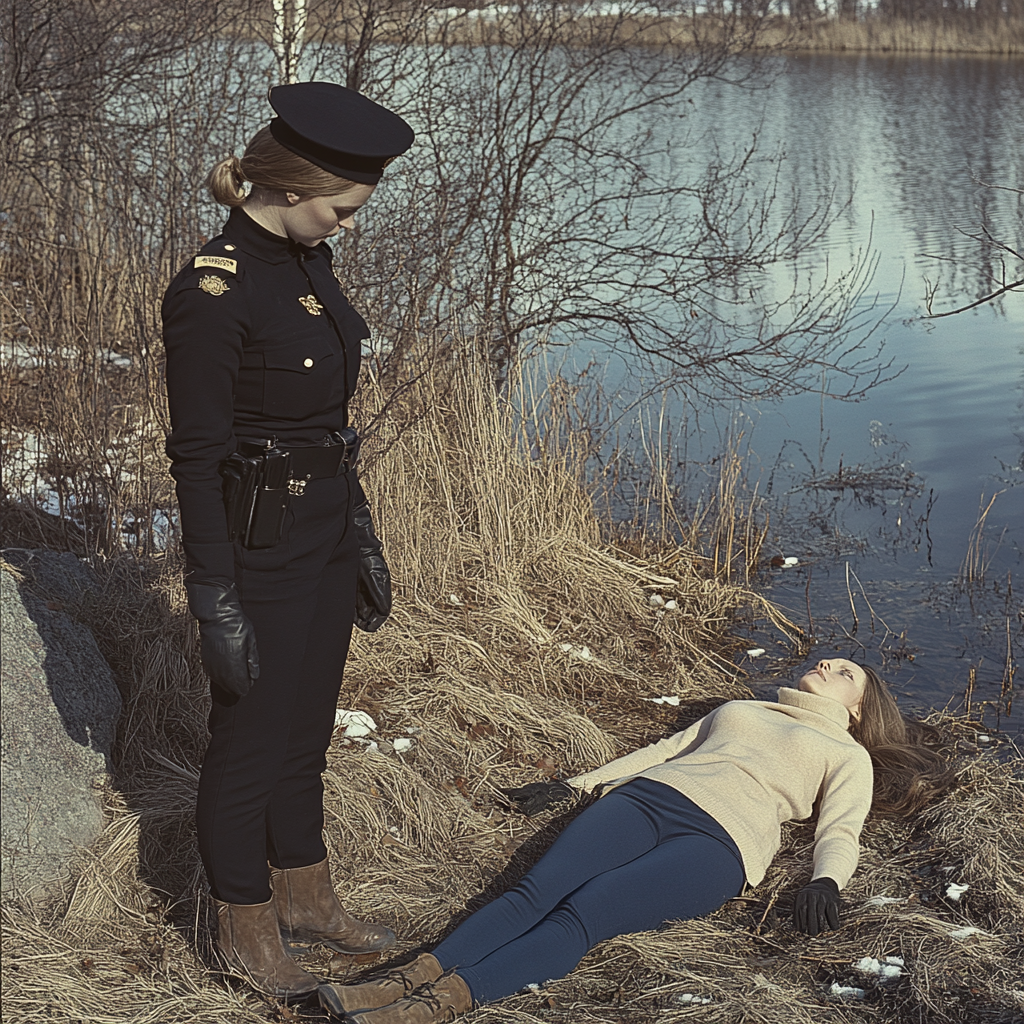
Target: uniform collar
[
  {"x": 257, "y": 241},
  {"x": 824, "y": 706}
]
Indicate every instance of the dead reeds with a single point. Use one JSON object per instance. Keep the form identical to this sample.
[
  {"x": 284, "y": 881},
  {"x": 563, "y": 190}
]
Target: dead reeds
[{"x": 522, "y": 643}]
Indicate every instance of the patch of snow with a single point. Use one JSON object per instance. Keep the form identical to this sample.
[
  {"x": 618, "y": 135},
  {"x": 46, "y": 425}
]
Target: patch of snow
[
  {"x": 402, "y": 744},
  {"x": 966, "y": 932},
  {"x": 881, "y": 901},
  {"x": 791, "y": 561},
  {"x": 954, "y": 891},
  {"x": 690, "y": 997},
  {"x": 887, "y": 969},
  {"x": 756, "y": 652},
  {"x": 670, "y": 700},
  {"x": 455, "y": 599},
  {"x": 846, "y": 991},
  {"x": 354, "y": 723},
  {"x": 656, "y": 601},
  {"x": 671, "y": 606}
]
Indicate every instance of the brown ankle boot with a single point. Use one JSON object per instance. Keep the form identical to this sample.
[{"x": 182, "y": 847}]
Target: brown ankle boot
[
  {"x": 442, "y": 1000},
  {"x": 249, "y": 943},
  {"x": 308, "y": 911},
  {"x": 381, "y": 989}
]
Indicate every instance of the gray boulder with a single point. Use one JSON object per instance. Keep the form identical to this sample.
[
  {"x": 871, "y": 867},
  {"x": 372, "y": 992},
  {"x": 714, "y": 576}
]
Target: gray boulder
[{"x": 59, "y": 715}]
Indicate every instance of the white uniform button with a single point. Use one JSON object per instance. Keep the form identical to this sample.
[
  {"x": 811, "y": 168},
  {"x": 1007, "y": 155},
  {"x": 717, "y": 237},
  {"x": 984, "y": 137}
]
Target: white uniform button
[{"x": 307, "y": 363}]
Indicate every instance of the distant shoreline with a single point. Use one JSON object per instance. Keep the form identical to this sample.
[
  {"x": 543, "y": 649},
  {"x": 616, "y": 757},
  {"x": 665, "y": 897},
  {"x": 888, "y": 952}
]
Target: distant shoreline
[
  {"x": 949, "y": 35},
  {"x": 955, "y": 36}
]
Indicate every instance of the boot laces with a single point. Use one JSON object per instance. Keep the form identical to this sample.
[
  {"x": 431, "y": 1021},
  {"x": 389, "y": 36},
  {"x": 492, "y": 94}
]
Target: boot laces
[
  {"x": 425, "y": 994},
  {"x": 400, "y": 978}
]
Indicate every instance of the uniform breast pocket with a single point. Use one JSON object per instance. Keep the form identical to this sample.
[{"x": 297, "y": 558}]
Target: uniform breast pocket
[{"x": 298, "y": 379}]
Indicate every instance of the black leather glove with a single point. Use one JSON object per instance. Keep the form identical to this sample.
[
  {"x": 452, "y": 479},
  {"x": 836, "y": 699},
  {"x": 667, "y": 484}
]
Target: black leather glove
[
  {"x": 539, "y": 796},
  {"x": 227, "y": 639},
  {"x": 373, "y": 591},
  {"x": 817, "y": 907}
]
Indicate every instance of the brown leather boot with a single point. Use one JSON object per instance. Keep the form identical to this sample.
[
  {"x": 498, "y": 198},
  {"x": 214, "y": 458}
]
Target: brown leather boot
[
  {"x": 308, "y": 911},
  {"x": 381, "y": 989},
  {"x": 249, "y": 943},
  {"x": 442, "y": 1000}
]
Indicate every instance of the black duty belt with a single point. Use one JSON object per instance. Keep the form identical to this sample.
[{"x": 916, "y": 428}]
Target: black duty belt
[{"x": 336, "y": 454}]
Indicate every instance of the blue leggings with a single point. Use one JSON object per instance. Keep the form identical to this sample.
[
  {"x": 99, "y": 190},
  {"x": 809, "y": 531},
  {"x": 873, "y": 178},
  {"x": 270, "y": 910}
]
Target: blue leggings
[{"x": 640, "y": 856}]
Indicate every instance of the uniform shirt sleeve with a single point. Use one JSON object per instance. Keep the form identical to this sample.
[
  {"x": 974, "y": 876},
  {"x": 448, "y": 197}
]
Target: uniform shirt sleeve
[
  {"x": 845, "y": 802},
  {"x": 677, "y": 745},
  {"x": 203, "y": 333}
]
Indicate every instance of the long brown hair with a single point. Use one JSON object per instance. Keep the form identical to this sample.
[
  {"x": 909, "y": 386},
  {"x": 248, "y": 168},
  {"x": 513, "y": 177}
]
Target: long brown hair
[
  {"x": 910, "y": 770},
  {"x": 268, "y": 165}
]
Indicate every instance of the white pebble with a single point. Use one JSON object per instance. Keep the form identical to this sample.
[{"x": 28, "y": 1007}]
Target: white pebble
[
  {"x": 655, "y": 600},
  {"x": 756, "y": 652},
  {"x": 579, "y": 653},
  {"x": 454, "y": 599},
  {"x": 790, "y": 561},
  {"x": 954, "y": 891},
  {"x": 689, "y": 997},
  {"x": 984, "y": 739},
  {"x": 671, "y": 606}
]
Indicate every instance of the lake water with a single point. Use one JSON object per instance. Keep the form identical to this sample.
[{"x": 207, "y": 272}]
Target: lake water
[{"x": 910, "y": 135}]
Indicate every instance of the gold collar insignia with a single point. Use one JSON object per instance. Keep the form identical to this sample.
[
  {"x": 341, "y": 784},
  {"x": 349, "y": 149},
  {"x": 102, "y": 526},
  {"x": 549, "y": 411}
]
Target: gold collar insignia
[{"x": 311, "y": 305}]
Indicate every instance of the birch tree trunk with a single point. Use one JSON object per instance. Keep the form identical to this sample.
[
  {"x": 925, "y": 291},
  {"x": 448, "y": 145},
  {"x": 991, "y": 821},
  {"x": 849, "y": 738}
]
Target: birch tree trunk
[{"x": 288, "y": 37}]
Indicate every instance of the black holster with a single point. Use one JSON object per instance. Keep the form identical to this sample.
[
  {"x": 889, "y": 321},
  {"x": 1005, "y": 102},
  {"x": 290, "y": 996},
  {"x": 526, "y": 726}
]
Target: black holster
[
  {"x": 256, "y": 493},
  {"x": 260, "y": 480}
]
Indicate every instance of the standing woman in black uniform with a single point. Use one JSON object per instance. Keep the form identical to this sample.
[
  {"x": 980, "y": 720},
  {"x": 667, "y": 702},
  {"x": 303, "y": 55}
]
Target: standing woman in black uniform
[{"x": 263, "y": 357}]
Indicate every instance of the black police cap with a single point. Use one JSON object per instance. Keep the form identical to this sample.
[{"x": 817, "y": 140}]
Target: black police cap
[{"x": 338, "y": 129}]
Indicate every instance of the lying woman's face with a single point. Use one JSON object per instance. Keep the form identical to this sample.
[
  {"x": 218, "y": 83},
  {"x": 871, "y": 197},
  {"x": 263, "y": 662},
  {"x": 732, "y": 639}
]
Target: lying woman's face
[{"x": 837, "y": 679}]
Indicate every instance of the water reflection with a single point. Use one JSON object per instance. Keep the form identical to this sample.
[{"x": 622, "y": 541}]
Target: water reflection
[{"x": 881, "y": 560}]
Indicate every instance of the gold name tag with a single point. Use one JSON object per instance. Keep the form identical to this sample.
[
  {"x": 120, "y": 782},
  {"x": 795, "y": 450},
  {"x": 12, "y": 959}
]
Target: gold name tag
[{"x": 220, "y": 262}]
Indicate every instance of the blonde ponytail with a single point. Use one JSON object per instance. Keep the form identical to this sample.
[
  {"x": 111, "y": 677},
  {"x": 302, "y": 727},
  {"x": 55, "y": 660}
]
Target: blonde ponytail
[
  {"x": 268, "y": 165},
  {"x": 226, "y": 182}
]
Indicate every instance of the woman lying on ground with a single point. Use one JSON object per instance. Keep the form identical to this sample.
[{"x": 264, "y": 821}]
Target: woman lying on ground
[{"x": 683, "y": 826}]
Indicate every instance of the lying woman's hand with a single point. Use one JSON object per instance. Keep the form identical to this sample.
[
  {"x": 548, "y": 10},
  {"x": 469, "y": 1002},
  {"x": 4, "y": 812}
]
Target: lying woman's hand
[
  {"x": 539, "y": 796},
  {"x": 817, "y": 907}
]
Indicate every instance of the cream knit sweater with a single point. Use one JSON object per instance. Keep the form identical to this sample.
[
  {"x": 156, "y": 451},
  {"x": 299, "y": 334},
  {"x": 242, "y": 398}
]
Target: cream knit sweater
[{"x": 753, "y": 764}]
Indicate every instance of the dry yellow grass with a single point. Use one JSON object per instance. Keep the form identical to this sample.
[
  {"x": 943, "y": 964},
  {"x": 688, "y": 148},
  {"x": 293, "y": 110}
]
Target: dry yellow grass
[
  {"x": 468, "y": 509},
  {"x": 1001, "y": 37}
]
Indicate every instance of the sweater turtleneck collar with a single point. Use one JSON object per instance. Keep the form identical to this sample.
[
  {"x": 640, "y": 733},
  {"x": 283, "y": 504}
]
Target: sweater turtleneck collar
[{"x": 824, "y": 706}]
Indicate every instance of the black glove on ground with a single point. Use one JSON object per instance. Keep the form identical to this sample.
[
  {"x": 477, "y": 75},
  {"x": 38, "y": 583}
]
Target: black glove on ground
[
  {"x": 227, "y": 639},
  {"x": 539, "y": 796},
  {"x": 373, "y": 591},
  {"x": 817, "y": 907}
]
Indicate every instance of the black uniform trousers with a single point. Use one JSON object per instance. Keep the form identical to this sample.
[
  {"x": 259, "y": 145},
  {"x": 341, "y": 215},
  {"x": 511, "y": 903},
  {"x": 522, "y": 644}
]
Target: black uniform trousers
[{"x": 261, "y": 791}]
